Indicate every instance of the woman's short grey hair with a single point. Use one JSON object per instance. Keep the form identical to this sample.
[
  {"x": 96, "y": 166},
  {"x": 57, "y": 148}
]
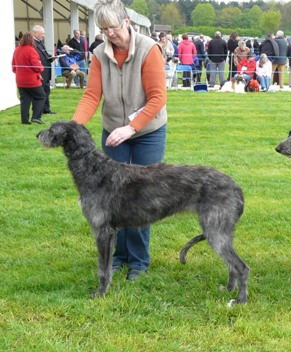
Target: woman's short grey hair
[
  {"x": 241, "y": 42},
  {"x": 109, "y": 12}
]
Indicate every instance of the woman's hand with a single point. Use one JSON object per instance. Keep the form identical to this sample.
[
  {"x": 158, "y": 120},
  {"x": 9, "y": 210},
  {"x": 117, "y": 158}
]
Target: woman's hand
[{"x": 119, "y": 135}]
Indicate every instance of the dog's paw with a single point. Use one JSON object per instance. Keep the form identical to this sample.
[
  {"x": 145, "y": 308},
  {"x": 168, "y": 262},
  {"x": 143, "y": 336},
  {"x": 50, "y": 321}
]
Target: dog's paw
[
  {"x": 182, "y": 256},
  {"x": 97, "y": 294},
  {"x": 94, "y": 294},
  {"x": 231, "y": 303}
]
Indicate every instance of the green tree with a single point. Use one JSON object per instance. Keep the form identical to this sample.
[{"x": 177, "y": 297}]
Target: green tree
[
  {"x": 243, "y": 21},
  {"x": 270, "y": 21},
  {"x": 255, "y": 14},
  {"x": 203, "y": 15},
  {"x": 155, "y": 10},
  {"x": 140, "y": 6},
  {"x": 186, "y": 7},
  {"x": 286, "y": 15},
  {"x": 171, "y": 15},
  {"x": 227, "y": 17}
]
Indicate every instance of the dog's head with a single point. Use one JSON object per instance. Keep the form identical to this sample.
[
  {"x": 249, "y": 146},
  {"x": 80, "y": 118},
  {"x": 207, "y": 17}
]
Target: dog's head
[
  {"x": 285, "y": 146},
  {"x": 239, "y": 78},
  {"x": 67, "y": 134}
]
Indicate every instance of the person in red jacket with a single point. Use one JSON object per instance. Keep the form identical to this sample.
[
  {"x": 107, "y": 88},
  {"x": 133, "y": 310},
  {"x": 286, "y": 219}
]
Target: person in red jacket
[
  {"x": 247, "y": 67},
  {"x": 27, "y": 67},
  {"x": 186, "y": 53}
]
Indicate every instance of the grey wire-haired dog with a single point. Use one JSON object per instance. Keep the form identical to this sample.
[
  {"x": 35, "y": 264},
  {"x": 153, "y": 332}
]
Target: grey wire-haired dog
[
  {"x": 285, "y": 146},
  {"x": 115, "y": 195}
]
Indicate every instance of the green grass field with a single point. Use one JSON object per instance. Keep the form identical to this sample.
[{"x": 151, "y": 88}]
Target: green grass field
[{"x": 48, "y": 255}]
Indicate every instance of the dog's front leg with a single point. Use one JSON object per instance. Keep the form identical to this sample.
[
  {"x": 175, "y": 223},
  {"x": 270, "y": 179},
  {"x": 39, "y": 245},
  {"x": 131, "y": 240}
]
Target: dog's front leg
[{"x": 105, "y": 237}]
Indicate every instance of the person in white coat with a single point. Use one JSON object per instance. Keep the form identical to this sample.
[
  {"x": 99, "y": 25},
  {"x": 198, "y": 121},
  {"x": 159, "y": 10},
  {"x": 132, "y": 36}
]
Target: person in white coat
[{"x": 264, "y": 72}]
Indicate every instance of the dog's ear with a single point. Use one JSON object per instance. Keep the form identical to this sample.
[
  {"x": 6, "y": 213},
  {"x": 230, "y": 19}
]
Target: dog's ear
[
  {"x": 71, "y": 136},
  {"x": 289, "y": 134},
  {"x": 58, "y": 134}
]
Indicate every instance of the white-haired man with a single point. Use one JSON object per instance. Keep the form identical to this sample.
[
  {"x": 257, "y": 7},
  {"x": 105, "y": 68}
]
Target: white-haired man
[
  {"x": 217, "y": 53},
  {"x": 280, "y": 60},
  {"x": 46, "y": 60}
]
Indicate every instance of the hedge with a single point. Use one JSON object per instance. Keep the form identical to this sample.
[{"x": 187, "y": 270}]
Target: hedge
[{"x": 210, "y": 31}]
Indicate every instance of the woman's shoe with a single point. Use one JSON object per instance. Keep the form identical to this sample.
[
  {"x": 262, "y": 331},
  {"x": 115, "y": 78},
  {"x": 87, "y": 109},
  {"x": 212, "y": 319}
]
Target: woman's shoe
[
  {"x": 133, "y": 274},
  {"x": 115, "y": 269}
]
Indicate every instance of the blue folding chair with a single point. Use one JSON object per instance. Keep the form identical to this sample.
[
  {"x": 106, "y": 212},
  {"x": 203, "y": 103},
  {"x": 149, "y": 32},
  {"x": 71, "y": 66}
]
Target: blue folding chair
[
  {"x": 58, "y": 69},
  {"x": 181, "y": 69},
  {"x": 58, "y": 72}
]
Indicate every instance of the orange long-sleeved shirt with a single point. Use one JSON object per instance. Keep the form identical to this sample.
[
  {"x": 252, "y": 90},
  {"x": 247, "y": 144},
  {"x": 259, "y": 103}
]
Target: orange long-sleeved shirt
[{"x": 153, "y": 81}]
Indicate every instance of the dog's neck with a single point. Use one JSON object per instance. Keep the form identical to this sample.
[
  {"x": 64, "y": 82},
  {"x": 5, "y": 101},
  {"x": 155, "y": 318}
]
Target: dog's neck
[{"x": 77, "y": 155}]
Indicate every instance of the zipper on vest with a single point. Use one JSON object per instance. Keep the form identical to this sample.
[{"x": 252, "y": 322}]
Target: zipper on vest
[{"x": 121, "y": 86}]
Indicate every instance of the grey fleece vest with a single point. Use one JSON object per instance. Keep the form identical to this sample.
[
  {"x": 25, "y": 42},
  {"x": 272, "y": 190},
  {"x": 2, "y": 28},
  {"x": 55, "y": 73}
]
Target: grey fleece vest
[{"x": 122, "y": 88}]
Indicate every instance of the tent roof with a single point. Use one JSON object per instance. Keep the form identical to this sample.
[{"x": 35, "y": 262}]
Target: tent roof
[
  {"x": 87, "y": 3},
  {"x": 134, "y": 16}
]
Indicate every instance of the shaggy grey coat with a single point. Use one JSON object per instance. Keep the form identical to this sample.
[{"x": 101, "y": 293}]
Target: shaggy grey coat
[
  {"x": 285, "y": 146},
  {"x": 115, "y": 195}
]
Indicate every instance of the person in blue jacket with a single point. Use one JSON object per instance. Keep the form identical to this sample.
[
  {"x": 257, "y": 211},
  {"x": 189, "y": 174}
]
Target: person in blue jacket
[{"x": 70, "y": 68}]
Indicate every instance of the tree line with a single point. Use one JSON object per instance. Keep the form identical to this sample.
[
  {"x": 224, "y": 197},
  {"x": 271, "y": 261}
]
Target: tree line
[{"x": 259, "y": 15}]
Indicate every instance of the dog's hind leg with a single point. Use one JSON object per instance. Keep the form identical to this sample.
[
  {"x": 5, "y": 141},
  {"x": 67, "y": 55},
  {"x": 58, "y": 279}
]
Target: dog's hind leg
[
  {"x": 221, "y": 243},
  {"x": 185, "y": 249},
  {"x": 105, "y": 239}
]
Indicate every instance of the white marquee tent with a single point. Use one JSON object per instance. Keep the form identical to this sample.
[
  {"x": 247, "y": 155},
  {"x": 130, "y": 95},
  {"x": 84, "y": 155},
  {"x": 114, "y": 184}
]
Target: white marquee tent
[{"x": 8, "y": 96}]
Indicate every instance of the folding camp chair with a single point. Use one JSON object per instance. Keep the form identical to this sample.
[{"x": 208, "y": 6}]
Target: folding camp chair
[
  {"x": 58, "y": 72},
  {"x": 187, "y": 75}
]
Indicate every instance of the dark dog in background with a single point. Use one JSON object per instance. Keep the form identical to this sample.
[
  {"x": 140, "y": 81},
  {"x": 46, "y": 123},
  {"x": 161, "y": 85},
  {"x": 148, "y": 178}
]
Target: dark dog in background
[
  {"x": 115, "y": 195},
  {"x": 285, "y": 146}
]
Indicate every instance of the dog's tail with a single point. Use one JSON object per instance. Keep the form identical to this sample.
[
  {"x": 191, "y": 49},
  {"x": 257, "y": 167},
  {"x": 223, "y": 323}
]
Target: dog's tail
[{"x": 184, "y": 250}]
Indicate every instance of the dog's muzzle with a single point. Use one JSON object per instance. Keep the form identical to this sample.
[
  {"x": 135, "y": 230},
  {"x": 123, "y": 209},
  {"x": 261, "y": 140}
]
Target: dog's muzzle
[
  {"x": 284, "y": 148},
  {"x": 42, "y": 136}
]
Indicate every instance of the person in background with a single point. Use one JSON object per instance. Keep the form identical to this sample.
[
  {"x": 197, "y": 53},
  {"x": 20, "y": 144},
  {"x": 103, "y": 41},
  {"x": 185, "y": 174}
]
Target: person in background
[
  {"x": 46, "y": 60},
  {"x": 176, "y": 40},
  {"x": 217, "y": 53},
  {"x": 27, "y": 67},
  {"x": 170, "y": 38},
  {"x": 86, "y": 45},
  {"x": 247, "y": 67},
  {"x": 269, "y": 47},
  {"x": 264, "y": 72},
  {"x": 240, "y": 53},
  {"x": 68, "y": 38},
  {"x": 70, "y": 68},
  {"x": 133, "y": 113},
  {"x": 256, "y": 47},
  {"x": 199, "y": 45},
  {"x": 98, "y": 40},
  {"x": 289, "y": 59},
  {"x": 280, "y": 60},
  {"x": 167, "y": 47},
  {"x": 154, "y": 36},
  {"x": 232, "y": 44},
  {"x": 186, "y": 53},
  {"x": 77, "y": 42},
  {"x": 249, "y": 44}
]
